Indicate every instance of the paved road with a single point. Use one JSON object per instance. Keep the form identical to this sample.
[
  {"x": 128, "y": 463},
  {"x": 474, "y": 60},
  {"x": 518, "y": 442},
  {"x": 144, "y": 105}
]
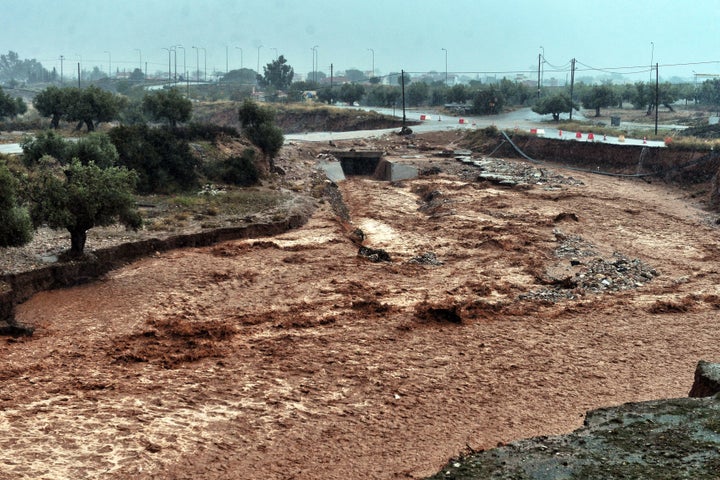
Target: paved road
[
  {"x": 524, "y": 119},
  {"x": 10, "y": 148}
]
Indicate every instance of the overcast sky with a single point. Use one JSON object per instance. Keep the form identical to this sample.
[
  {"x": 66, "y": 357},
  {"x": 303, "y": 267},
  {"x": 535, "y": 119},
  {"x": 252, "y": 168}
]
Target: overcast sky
[{"x": 477, "y": 35}]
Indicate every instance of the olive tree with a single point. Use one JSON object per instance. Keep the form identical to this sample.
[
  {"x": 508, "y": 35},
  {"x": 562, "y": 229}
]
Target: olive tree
[
  {"x": 92, "y": 105},
  {"x": 258, "y": 125},
  {"x": 15, "y": 225},
  {"x": 80, "y": 197},
  {"x": 52, "y": 102},
  {"x": 554, "y": 105},
  {"x": 597, "y": 97},
  {"x": 11, "y": 107},
  {"x": 168, "y": 105}
]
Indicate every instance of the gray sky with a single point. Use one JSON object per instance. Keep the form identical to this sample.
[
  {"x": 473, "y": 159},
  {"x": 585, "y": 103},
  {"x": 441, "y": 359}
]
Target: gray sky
[{"x": 478, "y": 35}]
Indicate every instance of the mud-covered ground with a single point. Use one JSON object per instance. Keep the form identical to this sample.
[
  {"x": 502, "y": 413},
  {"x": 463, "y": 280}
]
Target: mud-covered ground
[{"x": 505, "y": 313}]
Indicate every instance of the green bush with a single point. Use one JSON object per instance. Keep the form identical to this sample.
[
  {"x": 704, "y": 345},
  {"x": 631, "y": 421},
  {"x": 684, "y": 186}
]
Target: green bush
[
  {"x": 15, "y": 225},
  {"x": 163, "y": 161},
  {"x": 45, "y": 143},
  {"x": 241, "y": 170}
]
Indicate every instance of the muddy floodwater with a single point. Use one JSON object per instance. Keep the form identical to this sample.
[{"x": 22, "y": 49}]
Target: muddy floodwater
[{"x": 505, "y": 313}]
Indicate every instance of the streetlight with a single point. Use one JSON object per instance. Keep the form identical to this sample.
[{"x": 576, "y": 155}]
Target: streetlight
[
  {"x": 652, "y": 55},
  {"x": 276, "y": 54},
  {"x": 174, "y": 49},
  {"x": 205, "y": 68},
  {"x": 373, "y": 61},
  {"x": 109, "y": 63},
  {"x": 446, "y": 75},
  {"x": 241, "y": 57},
  {"x": 542, "y": 68},
  {"x": 258, "y": 62},
  {"x": 184, "y": 70},
  {"x": 169, "y": 64},
  {"x": 315, "y": 61},
  {"x": 140, "y": 53},
  {"x": 197, "y": 64}
]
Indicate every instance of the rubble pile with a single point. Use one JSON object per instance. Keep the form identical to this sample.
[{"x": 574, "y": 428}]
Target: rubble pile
[
  {"x": 513, "y": 174},
  {"x": 596, "y": 277}
]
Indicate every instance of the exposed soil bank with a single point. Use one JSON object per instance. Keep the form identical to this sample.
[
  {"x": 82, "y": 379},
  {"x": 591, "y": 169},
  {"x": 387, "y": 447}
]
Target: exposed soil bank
[{"x": 674, "y": 165}]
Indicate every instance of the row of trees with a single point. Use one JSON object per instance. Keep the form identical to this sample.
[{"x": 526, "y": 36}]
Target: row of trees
[
  {"x": 77, "y": 185},
  {"x": 92, "y": 105}
]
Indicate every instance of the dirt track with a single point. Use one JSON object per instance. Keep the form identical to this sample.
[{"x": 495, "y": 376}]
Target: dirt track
[{"x": 291, "y": 357}]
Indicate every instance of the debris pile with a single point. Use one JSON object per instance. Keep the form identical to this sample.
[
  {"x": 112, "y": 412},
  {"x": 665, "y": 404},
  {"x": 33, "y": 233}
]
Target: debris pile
[
  {"x": 427, "y": 258},
  {"x": 595, "y": 277},
  {"x": 514, "y": 174}
]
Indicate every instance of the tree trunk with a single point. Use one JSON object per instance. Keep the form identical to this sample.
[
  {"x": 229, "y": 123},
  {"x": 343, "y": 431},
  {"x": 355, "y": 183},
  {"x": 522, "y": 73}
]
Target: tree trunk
[
  {"x": 55, "y": 122},
  {"x": 90, "y": 125},
  {"x": 597, "y": 111},
  {"x": 77, "y": 242}
]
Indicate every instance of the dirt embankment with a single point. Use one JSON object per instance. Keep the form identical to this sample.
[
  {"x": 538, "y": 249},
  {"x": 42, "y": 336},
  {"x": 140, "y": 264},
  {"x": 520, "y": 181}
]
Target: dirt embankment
[
  {"x": 300, "y": 119},
  {"x": 692, "y": 169}
]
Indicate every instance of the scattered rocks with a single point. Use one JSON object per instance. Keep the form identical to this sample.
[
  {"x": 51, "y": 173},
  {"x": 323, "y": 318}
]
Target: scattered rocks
[
  {"x": 374, "y": 255},
  {"x": 427, "y": 258},
  {"x": 514, "y": 174},
  {"x": 595, "y": 277}
]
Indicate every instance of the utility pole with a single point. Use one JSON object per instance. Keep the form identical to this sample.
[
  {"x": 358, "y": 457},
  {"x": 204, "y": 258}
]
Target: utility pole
[
  {"x": 657, "y": 95},
  {"x": 331, "y": 76},
  {"x": 572, "y": 84},
  {"x": 402, "y": 84},
  {"x": 79, "y": 75},
  {"x": 538, "y": 82},
  {"x": 62, "y": 57}
]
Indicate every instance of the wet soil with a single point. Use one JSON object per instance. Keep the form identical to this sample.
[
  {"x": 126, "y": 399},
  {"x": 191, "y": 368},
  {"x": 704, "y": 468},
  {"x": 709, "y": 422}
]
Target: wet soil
[{"x": 293, "y": 357}]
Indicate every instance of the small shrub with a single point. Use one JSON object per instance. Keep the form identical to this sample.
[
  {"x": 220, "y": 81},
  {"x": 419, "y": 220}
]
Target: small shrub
[{"x": 241, "y": 170}]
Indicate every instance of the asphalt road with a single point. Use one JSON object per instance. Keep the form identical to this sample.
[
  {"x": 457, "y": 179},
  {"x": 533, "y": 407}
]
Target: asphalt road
[{"x": 523, "y": 119}]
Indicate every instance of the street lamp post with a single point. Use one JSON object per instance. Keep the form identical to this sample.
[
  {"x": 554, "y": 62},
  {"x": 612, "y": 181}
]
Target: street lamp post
[
  {"x": 446, "y": 73},
  {"x": 258, "y": 60},
  {"x": 315, "y": 61},
  {"x": 169, "y": 66},
  {"x": 241, "y": 57},
  {"x": 276, "y": 52},
  {"x": 652, "y": 56},
  {"x": 197, "y": 64},
  {"x": 174, "y": 49},
  {"x": 205, "y": 68},
  {"x": 109, "y": 64},
  {"x": 373, "y": 61},
  {"x": 140, "y": 54},
  {"x": 184, "y": 71},
  {"x": 542, "y": 68}
]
